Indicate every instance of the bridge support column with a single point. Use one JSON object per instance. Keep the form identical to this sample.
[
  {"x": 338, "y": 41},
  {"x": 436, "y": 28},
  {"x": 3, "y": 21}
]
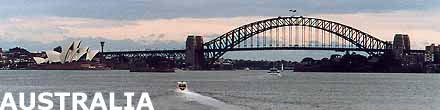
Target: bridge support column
[
  {"x": 401, "y": 44},
  {"x": 409, "y": 62},
  {"x": 194, "y": 57}
]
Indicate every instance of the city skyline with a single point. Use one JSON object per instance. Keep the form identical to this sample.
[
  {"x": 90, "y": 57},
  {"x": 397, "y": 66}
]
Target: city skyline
[{"x": 137, "y": 24}]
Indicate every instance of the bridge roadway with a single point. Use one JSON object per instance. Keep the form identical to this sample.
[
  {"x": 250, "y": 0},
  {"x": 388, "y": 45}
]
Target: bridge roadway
[{"x": 181, "y": 52}]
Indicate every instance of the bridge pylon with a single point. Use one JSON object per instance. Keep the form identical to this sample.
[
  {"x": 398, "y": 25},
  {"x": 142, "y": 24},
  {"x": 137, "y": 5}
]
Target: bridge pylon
[
  {"x": 401, "y": 45},
  {"x": 194, "y": 57}
]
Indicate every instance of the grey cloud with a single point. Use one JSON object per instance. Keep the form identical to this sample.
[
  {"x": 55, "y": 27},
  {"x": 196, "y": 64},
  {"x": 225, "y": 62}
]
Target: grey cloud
[{"x": 154, "y": 9}]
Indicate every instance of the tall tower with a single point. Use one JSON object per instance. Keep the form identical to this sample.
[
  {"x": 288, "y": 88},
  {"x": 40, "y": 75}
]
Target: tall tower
[
  {"x": 102, "y": 46},
  {"x": 432, "y": 53},
  {"x": 437, "y": 55}
]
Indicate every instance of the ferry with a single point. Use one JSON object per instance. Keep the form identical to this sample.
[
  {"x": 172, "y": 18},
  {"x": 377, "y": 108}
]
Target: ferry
[{"x": 182, "y": 85}]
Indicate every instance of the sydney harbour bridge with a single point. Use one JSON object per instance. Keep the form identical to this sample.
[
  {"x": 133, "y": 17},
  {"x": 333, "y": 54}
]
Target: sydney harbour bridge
[{"x": 280, "y": 33}]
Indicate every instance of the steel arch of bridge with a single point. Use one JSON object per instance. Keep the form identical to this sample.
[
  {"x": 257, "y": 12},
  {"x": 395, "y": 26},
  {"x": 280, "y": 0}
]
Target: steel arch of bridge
[{"x": 229, "y": 41}]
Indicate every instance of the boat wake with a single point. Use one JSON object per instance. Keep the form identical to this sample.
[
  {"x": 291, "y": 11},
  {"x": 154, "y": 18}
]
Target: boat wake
[{"x": 209, "y": 101}]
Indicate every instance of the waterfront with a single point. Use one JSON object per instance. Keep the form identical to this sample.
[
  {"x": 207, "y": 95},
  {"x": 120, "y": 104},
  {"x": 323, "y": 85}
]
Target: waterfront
[{"x": 248, "y": 90}]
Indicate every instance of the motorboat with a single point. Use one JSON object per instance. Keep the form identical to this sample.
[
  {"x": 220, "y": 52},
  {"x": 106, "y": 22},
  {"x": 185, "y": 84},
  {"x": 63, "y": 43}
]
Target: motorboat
[
  {"x": 274, "y": 72},
  {"x": 182, "y": 85},
  {"x": 247, "y": 69}
]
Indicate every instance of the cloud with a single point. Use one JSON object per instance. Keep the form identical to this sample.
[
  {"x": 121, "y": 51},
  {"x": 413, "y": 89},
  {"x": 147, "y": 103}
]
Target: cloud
[
  {"x": 159, "y": 9},
  {"x": 147, "y": 31}
]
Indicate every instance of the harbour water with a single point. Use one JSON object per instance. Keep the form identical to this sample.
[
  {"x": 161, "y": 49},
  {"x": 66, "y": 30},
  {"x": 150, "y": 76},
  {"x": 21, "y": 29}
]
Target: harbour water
[{"x": 244, "y": 90}]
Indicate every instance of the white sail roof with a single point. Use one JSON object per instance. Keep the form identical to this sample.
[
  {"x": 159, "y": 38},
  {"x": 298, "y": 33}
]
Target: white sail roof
[
  {"x": 70, "y": 55},
  {"x": 91, "y": 55},
  {"x": 76, "y": 44},
  {"x": 74, "y": 51},
  {"x": 81, "y": 52},
  {"x": 70, "y": 52},
  {"x": 53, "y": 56},
  {"x": 40, "y": 60},
  {"x": 65, "y": 52}
]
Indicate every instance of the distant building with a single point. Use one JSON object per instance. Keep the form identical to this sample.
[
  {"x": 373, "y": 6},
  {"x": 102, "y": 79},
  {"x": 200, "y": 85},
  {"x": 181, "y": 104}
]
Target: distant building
[
  {"x": 17, "y": 58},
  {"x": 3, "y": 59},
  {"x": 432, "y": 54},
  {"x": 413, "y": 60},
  {"x": 309, "y": 61},
  {"x": 335, "y": 58},
  {"x": 20, "y": 58},
  {"x": 70, "y": 53}
]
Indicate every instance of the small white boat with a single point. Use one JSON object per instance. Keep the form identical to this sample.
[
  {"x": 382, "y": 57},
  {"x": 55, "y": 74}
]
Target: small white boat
[
  {"x": 247, "y": 69},
  {"x": 274, "y": 72},
  {"x": 182, "y": 85}
]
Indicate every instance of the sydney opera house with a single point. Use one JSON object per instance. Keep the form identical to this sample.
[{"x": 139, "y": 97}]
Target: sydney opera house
[{"x": 71, "y": 57}]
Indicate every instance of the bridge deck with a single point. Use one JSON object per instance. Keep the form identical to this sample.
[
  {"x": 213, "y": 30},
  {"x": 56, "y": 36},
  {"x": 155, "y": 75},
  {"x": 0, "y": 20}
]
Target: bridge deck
[{"x": 251, "y": 49}]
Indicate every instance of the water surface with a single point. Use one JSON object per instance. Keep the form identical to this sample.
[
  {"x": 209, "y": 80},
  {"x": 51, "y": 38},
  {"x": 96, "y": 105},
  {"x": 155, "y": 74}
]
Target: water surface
[{"x": 243, "y": 90}]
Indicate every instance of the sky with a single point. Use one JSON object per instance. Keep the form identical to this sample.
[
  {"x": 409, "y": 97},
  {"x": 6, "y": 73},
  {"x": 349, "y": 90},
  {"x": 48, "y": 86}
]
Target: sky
[{"x": 154, "y": 24}]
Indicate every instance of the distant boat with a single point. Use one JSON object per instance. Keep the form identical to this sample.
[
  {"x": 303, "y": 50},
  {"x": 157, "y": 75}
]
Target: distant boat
[
  {"x": 247, "y": 69},
  {"x": 182, "y": 85},
  {"x": 275, "y": 72},
  {"x": 282, "y": 67}
]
